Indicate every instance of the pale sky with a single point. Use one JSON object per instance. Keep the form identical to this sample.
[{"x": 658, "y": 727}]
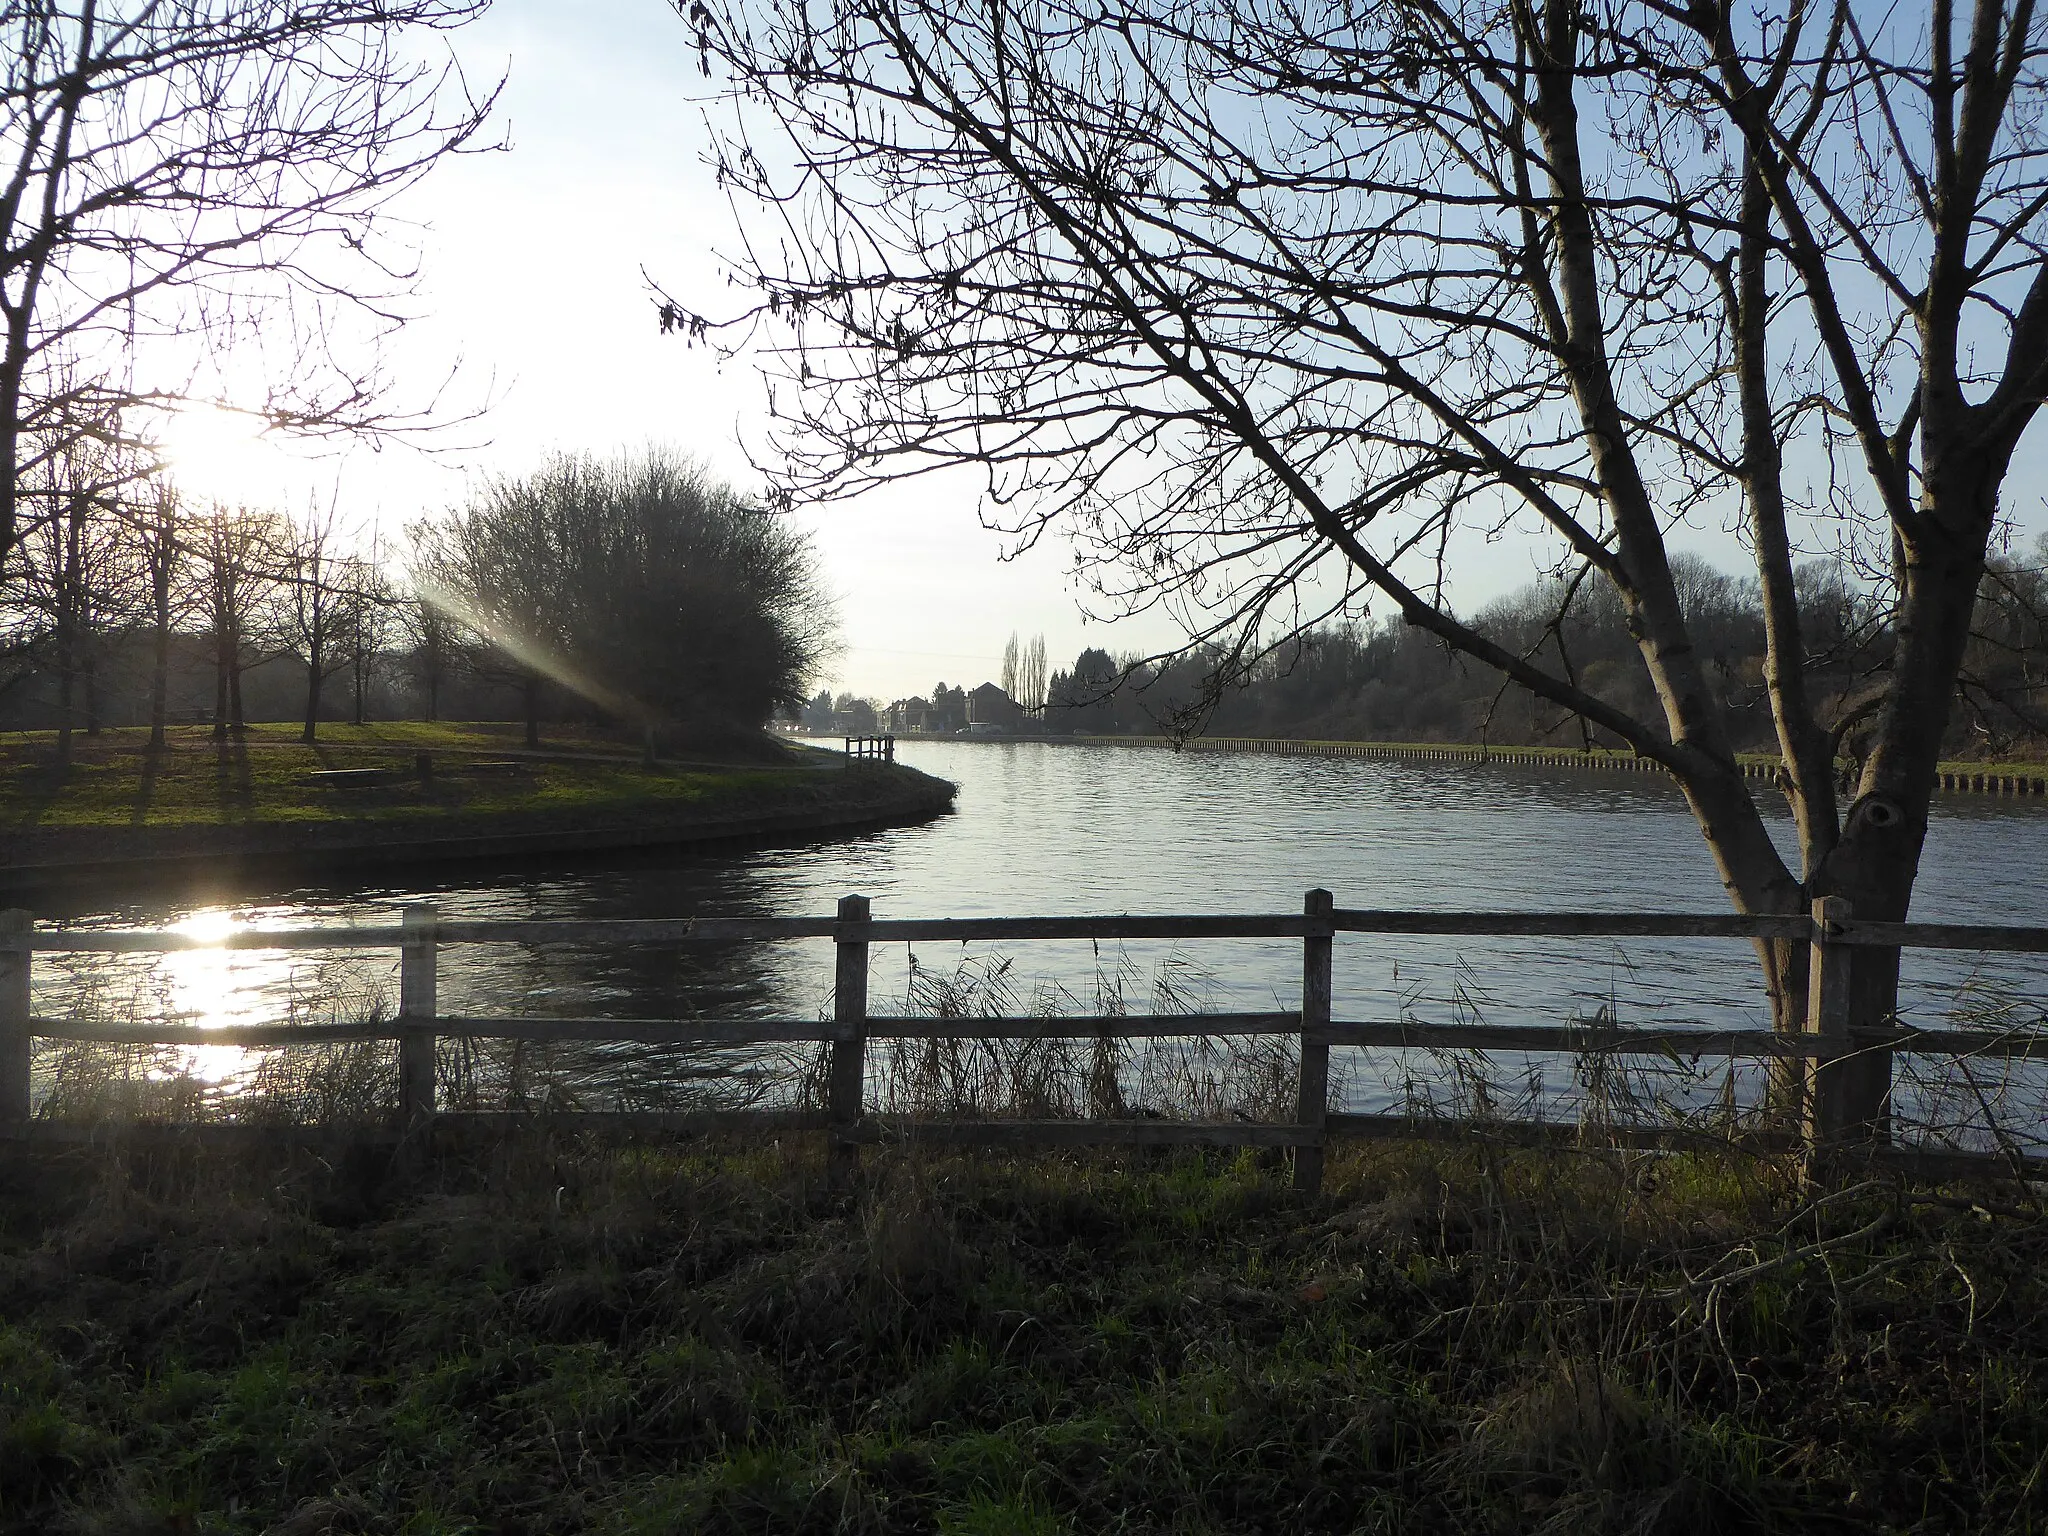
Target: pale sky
[{"x": 535, "y": 265}]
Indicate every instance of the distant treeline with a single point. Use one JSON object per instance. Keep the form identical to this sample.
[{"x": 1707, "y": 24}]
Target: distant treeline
[{"x": 1386, "y": 681}]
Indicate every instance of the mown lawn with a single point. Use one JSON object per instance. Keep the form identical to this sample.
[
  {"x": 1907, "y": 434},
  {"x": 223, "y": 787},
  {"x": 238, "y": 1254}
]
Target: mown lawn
[
  {"x": 558, "y": 1336},
  {"x": 266, "y": 775}
]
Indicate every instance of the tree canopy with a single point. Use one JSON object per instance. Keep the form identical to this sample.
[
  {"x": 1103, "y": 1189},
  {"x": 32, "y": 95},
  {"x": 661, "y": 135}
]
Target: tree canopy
[{"x": 643, "y": 584}]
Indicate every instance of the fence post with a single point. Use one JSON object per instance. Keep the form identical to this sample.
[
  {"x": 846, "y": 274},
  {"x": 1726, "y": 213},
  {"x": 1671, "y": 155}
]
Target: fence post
[
  {"x": 16, "y": 1022},
  {"x": 418, "y": 969},
  {"x": 1827, "y": 1018},
  {"x": 1312, "y": 1106},
  {"x": 847, "y": 1088}
]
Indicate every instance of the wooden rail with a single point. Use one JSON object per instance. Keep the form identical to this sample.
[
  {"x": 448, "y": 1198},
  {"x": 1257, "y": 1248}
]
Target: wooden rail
[
  {"x": 878, "y": 749},
  {"x": 1846, "y": 1073}
]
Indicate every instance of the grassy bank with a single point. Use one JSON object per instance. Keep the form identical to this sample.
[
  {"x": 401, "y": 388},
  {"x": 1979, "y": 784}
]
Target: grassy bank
[
  {"x": 116, "y": 801},
  {"x": 269, "y": 775},
  {"x": 550, "y": 1335}
]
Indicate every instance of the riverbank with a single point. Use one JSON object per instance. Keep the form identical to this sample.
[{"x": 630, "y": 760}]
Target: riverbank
[
  {"x": 563, "y": 1335},
  {"x": 398, "y": 796}
]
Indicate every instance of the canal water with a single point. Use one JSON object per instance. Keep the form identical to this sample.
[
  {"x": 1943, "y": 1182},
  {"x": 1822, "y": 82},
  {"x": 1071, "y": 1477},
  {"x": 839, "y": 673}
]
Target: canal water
[{"x": 1045, "y": 829}]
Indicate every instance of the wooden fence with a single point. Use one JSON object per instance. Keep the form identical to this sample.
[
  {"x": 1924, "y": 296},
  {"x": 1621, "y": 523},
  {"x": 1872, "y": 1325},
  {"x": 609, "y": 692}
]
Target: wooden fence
[
  {"x": 878, "y": 749},
  {"x": 1845, "y": 1069}
]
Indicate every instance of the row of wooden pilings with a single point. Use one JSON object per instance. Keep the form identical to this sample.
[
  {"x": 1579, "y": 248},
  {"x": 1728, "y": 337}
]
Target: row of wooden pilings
[{"x": 1984, "y": 782}]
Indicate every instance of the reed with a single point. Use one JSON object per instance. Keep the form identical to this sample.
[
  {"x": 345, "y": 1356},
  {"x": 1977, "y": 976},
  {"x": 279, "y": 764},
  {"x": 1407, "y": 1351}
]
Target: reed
[{"x": 1098, "y": 1075}]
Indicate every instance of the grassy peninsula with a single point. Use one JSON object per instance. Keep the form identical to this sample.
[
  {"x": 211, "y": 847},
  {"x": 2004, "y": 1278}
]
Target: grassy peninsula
[
  {"x": 550, "y": 1334},
  {"x": 363, "y": 791}
]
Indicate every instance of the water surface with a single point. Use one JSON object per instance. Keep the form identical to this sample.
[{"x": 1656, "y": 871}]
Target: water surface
[{"x": 1045, "y": 828}]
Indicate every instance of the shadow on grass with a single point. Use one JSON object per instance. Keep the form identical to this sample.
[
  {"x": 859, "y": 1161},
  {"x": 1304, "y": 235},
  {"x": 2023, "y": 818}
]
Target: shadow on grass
[
  {"x": 153, "y": 756},
  {"x": 38, "y": 785},
  {"x": 232, "y": 783}
]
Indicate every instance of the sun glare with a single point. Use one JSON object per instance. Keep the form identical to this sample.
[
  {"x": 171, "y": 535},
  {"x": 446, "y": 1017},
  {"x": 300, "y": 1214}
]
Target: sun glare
[
  {"x": 208, "y": 927},
  {"x": 222, "y": 455},
  {"x": 206, "y": 987}
]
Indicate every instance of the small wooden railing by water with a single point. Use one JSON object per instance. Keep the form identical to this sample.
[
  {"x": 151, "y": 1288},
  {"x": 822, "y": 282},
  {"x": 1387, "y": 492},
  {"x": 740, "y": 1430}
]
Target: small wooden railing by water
[{"x": 1845, "y": 1071}]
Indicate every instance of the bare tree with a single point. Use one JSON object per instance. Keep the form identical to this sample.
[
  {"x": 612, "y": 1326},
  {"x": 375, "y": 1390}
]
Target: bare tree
[
  {"x": 493, "y": 570},
  {"x": 367, "y": 604},
  {"x": 177, "y": 168},
  {"x": 663, "y": 598},
  {"x": 316, "y": 603},
  {"x": 73, "y": 577},
  {"x": 157, "y": 530},
  {"x": 1012, "y": 665},
  {"x": 1031, "y": 676},
  {"x": 430, "y": 639},
  {"x": 1271, "y": 309},
  {"x": 236, "y": 571}
]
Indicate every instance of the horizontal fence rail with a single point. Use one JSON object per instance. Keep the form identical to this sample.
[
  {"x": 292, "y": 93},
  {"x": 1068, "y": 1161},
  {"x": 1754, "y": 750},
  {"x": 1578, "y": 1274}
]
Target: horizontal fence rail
[
  {"x": 1566, "y": 1039},
  {"x": 735, "y": 930},
  {"x": 1843, "y": 1063}
]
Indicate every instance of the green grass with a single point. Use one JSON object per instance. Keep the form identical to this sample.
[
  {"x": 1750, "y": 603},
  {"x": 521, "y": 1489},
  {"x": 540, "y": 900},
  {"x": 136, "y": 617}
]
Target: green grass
[
  {"x": 555, "y": 1335},
  {"x": 264, "y": 776}
]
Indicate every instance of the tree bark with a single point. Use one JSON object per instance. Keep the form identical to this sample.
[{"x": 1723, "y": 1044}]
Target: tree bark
[
  {"x": 164, "y": 552},
  {"x": 65, "y": 683},
  {"x": 158, "y": 685},
  {"x": 220, "y": 689},
  {"x": 315, "y": 678}
]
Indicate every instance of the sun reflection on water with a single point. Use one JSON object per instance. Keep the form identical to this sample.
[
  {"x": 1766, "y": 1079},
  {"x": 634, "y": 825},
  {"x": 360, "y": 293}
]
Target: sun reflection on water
[{"x": 208, "y": 987}]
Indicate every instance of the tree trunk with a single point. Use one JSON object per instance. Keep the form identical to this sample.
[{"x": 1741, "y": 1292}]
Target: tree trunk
[
  {"x": 1786, "y": 965},
  {"x": 236, "y": 721},
  {"x": 314, "y": 680},
  {"x": 222, "y": 666},
  {"x": 159, "y": 684},
  {"x": 160, "y": 654},
  {"x": 65, "y": 684}
]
